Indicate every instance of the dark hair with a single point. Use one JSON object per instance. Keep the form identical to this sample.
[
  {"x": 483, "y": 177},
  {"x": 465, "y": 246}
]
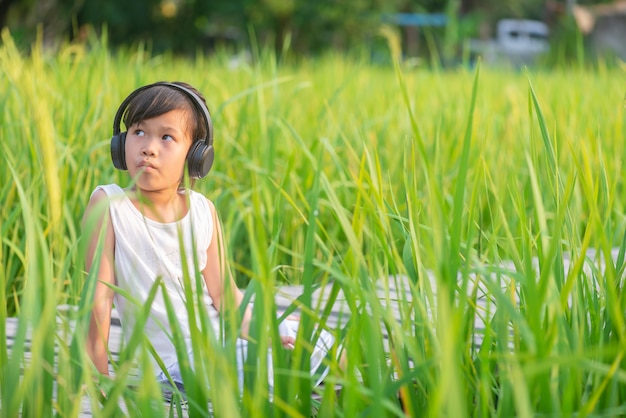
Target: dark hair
[{"x": 161, "y": 99}]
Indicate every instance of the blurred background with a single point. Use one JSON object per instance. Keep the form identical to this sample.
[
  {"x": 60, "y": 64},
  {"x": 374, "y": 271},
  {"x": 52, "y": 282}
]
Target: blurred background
[{"x": 441, "y": 32}]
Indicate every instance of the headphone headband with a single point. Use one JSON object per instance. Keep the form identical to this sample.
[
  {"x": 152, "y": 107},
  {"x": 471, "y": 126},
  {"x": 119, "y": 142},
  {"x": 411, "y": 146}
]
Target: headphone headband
[
  {"x": 195, "y": 100},
  {"x": 200, "y": 156}
]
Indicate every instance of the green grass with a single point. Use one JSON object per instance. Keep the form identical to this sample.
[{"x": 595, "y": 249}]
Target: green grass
[{"x": 337, "y": 173}]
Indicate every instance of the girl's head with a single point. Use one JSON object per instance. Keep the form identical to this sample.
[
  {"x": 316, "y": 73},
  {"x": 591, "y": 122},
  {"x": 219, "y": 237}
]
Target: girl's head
[
  {"x": 157, "y": 99},
  {"x": 162, "y": 98}
]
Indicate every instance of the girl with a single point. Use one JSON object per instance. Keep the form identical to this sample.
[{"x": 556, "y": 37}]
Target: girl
[{"x": 169, "y": 130}]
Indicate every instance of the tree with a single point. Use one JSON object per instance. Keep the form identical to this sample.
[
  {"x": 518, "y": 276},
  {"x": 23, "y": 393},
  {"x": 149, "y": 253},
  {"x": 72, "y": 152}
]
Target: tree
[{"x": 25, "y": 17}]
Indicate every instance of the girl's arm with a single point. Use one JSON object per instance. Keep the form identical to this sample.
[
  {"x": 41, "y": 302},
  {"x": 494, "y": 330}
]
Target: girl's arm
[
  {"x": 95, "y": 219},
  {"x": 219, "y": 280},
  {"x": 217, "y": 275}
]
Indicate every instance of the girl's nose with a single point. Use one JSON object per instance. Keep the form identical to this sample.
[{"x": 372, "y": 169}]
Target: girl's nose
[{"x": 148, "y": 148}]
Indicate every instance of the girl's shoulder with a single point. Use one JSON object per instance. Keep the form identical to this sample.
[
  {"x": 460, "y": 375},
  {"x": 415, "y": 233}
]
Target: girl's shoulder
[
  {"x": 109, "y": 195},
  {"x": 109, "y": 190},
  {"x": 203, "y": 217},
  {"x": 99, "y": 202},
  {"x": 201, "y": 200}
]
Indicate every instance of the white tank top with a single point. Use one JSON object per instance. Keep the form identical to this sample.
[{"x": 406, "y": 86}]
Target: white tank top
[{"x": 146, "y": 250}]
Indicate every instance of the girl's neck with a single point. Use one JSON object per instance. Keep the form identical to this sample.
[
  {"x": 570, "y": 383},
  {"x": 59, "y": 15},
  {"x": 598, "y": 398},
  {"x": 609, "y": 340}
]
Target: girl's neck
[{"x": 161, "y": 206}]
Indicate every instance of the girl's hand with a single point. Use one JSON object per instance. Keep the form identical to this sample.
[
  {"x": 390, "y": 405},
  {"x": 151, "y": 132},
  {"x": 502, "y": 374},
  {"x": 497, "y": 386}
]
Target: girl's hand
[{"x": 287, "y": 342}]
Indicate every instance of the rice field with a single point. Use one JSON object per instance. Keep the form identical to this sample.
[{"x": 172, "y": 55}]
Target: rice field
[{"x": 464, "y": 185}]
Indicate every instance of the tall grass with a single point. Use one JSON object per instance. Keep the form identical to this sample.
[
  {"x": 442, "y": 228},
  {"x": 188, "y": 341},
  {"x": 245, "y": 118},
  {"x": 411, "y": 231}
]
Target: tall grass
[{"x": 453, "y": 187}]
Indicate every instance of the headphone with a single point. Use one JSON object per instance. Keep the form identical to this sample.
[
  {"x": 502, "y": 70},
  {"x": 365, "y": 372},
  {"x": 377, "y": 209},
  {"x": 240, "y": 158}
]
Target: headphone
[{"x": 200, "y": 155}]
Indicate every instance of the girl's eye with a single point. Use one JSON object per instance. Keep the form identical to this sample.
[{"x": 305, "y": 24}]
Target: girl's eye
[
  {"x": 167, "y": 138},
  {"x": 139, "y": 132}
]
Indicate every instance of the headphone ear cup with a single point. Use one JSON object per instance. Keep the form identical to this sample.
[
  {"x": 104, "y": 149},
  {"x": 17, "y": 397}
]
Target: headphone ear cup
[
  {"x": 200, "y": 159},
  {"x": 118, "y": 151}
]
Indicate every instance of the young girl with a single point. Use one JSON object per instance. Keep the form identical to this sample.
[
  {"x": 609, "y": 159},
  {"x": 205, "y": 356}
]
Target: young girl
[{"x": 169, "y": 130}]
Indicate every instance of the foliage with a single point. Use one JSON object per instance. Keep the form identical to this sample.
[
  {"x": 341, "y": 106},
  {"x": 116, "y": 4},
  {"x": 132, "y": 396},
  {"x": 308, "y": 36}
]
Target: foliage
[
  {"x": 186, "y": 25},
  {"x": 300, "y": 27},
  {"x": 453, "y": 187}
]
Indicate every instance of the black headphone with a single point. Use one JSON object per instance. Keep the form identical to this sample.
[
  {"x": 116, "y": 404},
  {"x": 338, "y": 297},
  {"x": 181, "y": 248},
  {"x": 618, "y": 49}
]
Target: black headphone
[{"x": 200, "y": 155}]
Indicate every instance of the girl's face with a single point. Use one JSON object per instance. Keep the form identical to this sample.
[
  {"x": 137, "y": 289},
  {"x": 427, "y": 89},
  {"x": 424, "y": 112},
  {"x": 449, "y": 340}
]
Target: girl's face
[{"x": 156, "y": 151}]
